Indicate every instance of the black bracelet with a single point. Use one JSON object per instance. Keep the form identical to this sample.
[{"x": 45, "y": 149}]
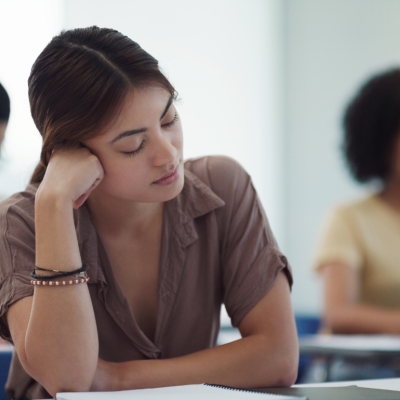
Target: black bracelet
[
  {"x": 82, "y": 269},
  {"x": 60, "y": 275}
]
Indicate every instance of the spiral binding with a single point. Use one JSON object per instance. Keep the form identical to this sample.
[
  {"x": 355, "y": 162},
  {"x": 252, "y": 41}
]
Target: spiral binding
[{"x": 247, "y": 390}]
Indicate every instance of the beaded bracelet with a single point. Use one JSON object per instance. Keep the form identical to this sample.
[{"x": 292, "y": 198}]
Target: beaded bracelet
[
  {"x": 59, "y": 283},
  {"x": 59, "y": 275}
]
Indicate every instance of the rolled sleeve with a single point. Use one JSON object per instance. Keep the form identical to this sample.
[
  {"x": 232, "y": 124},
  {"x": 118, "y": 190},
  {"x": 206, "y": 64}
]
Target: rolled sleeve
[
  {"x": 17, "y": 256},
  {"x": 251, "y": 259},
  {"x": 244, "y": 293}
]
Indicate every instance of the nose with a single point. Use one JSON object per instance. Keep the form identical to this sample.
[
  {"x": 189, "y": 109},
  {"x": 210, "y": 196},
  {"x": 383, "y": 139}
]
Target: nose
[{"x": 164, "y": 151}]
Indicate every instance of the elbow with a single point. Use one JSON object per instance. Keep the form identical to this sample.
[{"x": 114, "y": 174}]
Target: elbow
[
  {"x": 337, "y": 327},
  {"x": 287, "y": 363},
  {"x": 76, "y": 379},
  {"x": 336, "y": 320},
  {"x": 287, "y": 370},
  {"x": 79, "y": 381},
  {"x": 75, "y": 383},
  {"x": 281, "y": 366},
  {"x": 61, "y": 387},
  {"x": 287, "y": 378}
]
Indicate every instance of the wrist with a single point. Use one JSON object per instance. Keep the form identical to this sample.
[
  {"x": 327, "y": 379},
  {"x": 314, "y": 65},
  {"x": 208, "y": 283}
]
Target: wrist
[
  {"x": 116, "y": 376},
  {"x": 56, "y": 240},
  {"x": 51, "y": 200},
  {"x": 107, "y": 377},
  {"x": 125, "y": 375}
]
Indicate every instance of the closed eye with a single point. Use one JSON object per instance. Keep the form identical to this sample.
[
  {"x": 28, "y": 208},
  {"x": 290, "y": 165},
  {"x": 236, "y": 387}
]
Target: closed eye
[
  {"x": 169, "y": 124},
  {"x": 135, "y": 152}
]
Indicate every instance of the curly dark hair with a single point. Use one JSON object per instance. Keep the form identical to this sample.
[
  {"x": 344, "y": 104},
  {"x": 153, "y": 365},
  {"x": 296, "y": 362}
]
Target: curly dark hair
[{"x": 371, "y": 125}]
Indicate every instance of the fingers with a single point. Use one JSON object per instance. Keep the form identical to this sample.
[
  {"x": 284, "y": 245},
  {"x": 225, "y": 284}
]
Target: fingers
[
  {"x": 81, "y": 199},
  {"x": 72, "y": 174}
]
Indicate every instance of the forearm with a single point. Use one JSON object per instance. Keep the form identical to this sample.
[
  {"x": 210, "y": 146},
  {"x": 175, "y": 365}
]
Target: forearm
[
  {"x": 56, "y": 240},
  {"x": 361, "y": 318},
  {"x": 249, "y": 362},
  {"x": 343, "y": 311},
  {"x": 61, "y": 344}
]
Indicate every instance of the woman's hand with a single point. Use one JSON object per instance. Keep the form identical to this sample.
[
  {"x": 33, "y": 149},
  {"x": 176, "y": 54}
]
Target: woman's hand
[{"x": 71, "y": 175}]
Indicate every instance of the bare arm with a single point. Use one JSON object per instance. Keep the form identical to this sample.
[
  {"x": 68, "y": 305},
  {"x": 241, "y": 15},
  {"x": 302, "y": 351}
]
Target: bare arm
[
  {"x": 342, "y": 310},
  {"x": 54, "y": 331},
  {"x": 267, "y": 355}
]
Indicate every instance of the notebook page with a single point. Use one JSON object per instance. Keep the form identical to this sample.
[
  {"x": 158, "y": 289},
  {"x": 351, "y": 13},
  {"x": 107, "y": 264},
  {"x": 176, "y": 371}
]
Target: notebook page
[{"x": 188, "y": 392}]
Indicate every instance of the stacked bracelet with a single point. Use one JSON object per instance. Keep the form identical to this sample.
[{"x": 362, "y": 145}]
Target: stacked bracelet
[
  {"x": 82, "y": 269},
  {"x": 61, "y": 274},
  {"x": 59, "y": 283}
]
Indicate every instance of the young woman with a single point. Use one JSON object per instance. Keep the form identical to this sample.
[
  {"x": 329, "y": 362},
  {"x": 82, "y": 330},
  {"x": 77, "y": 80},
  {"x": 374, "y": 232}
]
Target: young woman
[
  {"x": 359, "y": 251},
  {"x": 165, "y": 242}
]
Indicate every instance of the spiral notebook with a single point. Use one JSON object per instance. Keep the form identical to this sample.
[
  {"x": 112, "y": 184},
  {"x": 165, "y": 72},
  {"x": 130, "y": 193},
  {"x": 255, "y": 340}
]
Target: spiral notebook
[{"x": 188, "y": 392}]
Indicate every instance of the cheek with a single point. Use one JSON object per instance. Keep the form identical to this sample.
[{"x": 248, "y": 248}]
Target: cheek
[
  {"x": 122, "y": 172},
  {"x": 178, "y": 139}
]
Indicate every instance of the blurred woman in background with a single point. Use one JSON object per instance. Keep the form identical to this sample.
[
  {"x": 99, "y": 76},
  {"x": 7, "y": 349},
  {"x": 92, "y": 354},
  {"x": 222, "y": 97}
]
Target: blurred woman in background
[
  {"x": 358, "y": 255},
  {"x": 359, "y": 251}
]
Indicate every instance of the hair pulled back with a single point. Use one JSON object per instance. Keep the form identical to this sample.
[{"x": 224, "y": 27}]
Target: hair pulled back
[
  {"x": 4, "y": 105},
  {"x": 78, "y": 84},
  {"x": 371, "y": 124}
]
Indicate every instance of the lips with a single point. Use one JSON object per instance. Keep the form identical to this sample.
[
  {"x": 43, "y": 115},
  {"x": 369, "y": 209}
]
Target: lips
[{"x": 169, "y": 177}]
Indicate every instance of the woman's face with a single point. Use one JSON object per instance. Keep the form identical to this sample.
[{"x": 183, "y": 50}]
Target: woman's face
[{"x": 141, "y": 152}]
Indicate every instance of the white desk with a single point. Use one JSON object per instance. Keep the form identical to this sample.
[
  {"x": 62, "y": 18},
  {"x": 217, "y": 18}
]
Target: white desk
[
  {"x": 360, "y": 346},
  {"x": 388, "y": 389},
  {"x": 388, "y": 384},
  {"x": 329, "y": 351}
]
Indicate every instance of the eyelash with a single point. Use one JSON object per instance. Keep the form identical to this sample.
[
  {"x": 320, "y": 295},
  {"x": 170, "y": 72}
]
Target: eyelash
[
  {"x": 141, "y": 147},
  {"x": 135, "y": 152},
  {"x": 169, "y": 124}
]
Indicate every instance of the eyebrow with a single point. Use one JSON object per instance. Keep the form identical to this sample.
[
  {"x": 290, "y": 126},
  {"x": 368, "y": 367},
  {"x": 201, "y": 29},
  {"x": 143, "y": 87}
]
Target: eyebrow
[{"x": 141, "y": 130}]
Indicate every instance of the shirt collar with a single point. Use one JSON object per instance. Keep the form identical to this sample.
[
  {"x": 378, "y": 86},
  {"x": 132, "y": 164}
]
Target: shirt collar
[{"x": 195, "y": 200}]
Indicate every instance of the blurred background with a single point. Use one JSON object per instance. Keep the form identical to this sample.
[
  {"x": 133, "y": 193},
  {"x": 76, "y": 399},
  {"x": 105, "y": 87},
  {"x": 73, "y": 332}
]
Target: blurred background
[{"x": 263, "y": 81}]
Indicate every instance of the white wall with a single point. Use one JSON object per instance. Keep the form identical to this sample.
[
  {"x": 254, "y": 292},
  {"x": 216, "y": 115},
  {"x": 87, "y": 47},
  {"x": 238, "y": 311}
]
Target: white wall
[
  {"x": 224, "y": 57},
  {"x": 25, "y": 29},
  {"x": 331, "y": 46}
]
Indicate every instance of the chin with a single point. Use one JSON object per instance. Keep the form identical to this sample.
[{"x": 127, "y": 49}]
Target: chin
[{"x": 172, "y": 191}]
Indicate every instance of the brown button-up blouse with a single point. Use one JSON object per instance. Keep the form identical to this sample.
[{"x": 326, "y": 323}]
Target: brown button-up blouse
[{"x": 216, "y": 248}]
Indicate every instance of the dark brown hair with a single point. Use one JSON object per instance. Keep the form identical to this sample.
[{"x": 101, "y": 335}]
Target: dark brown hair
[
  {"x": 4, "y": 105},
  {"x": 78, "y": 84}
]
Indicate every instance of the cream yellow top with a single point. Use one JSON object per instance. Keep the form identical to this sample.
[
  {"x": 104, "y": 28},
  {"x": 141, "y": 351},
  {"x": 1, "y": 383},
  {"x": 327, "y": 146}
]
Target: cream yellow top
[{"x": 365, "y": 235}]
